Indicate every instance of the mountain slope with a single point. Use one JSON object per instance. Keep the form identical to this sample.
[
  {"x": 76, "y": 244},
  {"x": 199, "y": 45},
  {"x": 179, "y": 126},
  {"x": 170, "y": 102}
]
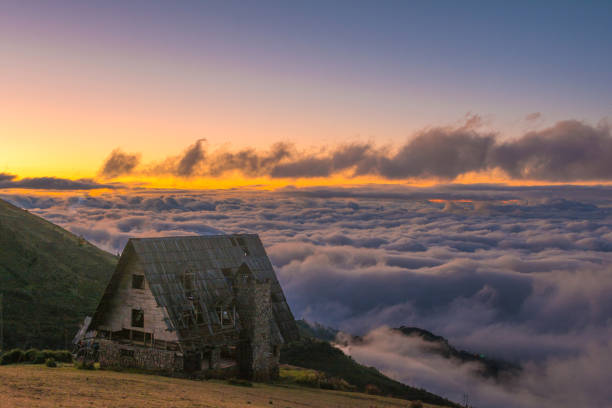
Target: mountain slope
[
  {"x": 320, "y": 355},
  {"x": 490, "y": 367},
  {"x": 50, "y": 278},
  {"x": 316, "y": 330}
]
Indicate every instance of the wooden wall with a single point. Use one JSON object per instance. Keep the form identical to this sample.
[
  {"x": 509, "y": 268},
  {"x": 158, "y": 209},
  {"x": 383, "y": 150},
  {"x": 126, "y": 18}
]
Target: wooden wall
[{"x": 118, "y": 314}]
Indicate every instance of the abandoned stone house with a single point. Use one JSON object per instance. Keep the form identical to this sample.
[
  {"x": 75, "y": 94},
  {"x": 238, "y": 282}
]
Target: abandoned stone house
[{"x": 205, "y": 303}]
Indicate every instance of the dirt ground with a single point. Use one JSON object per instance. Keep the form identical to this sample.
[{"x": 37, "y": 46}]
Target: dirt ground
[{"x": 40, "y": 386}]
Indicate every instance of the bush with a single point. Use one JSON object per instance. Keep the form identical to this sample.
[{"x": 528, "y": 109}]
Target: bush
[
  {"x": 372, "y": 389},
  {"x": 336, "y": 383},
  {"x": 12, "y": 357},
  {"x": 416, "y": 404},
  {"x": 241, "y": 383},
  {"x": 63, "y": 356},
  {"x": 85, "y": 365},
  {"x": 35, "y": 356},
  {"x": 50, "y": 362},
  {"x": 39, "y": 358},
  {"x": 31, "y": 354}
]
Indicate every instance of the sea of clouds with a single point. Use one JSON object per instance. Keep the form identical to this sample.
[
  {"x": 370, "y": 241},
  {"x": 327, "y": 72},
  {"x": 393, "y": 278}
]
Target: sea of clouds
[{"x": 520, "y": 273}]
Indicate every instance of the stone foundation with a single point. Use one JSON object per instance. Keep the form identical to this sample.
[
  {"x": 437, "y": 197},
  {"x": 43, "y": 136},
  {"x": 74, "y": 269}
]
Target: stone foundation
[{"x": 117, "y": 356}]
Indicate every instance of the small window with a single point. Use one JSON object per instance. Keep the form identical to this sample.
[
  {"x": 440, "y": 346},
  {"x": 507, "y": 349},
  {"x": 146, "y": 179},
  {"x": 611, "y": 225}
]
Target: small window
[
  {"x": 187, "y": 320},
  {"x": 137, "y": 281},
  {"x": 189, "y": 281},
  {"x": 137, "y": 318},
  {"x": 198, "y": 313},
  {"x": 226, "y": 317}
]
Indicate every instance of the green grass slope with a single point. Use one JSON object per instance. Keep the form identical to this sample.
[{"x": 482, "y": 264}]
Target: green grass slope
[
  {"x": 320, "y": 355},
  {"x": 51, "y": 279}
]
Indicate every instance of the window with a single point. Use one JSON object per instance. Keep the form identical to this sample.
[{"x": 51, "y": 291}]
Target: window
[
  {"x": 188, "y": 282},
  {"x": 126, "y": 353},
  {"x": 187, "y": 320},
  {"x": 226, "y": 317},
  {"x": 199, "y": 315},
  {"x": 137, "y": 318},
  {"x": 137, "y": 281}
]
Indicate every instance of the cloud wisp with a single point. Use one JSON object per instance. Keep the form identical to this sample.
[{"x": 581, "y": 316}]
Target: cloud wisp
[
  {"x": 119, "y": 163},
  {"x": 568, "y": 151}
]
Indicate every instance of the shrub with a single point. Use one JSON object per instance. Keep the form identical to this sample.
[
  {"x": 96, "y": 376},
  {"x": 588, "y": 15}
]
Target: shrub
[
  {"x": 12, "y": 357},
  {"x": 336, "y": 383},
  {"x": 39, "y": 357},
  {"x": 30, "y": 355},
  {"x": 50, "y": 362},
  {"x": 416, "y": 404},
  {"x": 372, "y": 389},
  {"x": 85, "y": 365},
  {"x": 63, "y": 356},
  {"x": 241, "y": 383}
]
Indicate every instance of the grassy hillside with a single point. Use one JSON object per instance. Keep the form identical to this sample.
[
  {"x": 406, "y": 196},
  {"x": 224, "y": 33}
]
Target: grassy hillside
[
  {"x": 322, "y": 356},
  {"x": 316, "y": 330},
  {"x": 51, "y": 279},
  {"x": 43, "y": 387}
]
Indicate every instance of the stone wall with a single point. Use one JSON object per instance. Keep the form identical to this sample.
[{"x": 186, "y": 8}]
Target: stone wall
[
  {"x": 115, "y": 356},
  {"x": 256, "y": 355}
]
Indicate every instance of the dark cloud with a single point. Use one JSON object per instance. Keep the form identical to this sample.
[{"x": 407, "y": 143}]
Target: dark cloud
[
  {"x": 4, "y": 178},
  {"x": 249, "y": 161},
  {"x": 439, "y": 153},
  {"x": 534, "y": 116},
  {"x": 119, "y": 163},
  {"x": 188, "y": 163},
  {"x": 49, "y": 183},
  {"x": 568, "y": 151}
]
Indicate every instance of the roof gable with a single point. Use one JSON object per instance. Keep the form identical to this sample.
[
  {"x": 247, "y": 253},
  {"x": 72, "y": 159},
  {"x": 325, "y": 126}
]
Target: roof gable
[{"x": 167, "y": 260}]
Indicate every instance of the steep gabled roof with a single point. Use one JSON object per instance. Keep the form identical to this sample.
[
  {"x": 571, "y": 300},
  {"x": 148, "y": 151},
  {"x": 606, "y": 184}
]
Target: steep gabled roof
[{"x": 208, "y": 259}]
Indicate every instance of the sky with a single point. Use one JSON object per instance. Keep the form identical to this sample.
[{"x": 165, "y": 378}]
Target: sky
[
  {"x": 81, "y": 79},
  {"x": 438, "y": 164}
]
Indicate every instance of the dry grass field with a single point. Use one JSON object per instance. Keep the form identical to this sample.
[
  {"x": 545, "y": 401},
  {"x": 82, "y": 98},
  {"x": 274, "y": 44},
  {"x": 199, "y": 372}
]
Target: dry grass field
[{"x": 40, "y": 386}]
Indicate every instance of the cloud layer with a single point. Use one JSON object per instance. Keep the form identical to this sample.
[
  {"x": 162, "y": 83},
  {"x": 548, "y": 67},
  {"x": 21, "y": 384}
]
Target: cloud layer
[
  {"x": 575, "y": 381},
  {"x": 49, "y": 183},
  {"x": 520, "y": 273},
  {"x": 567, "y": 151}
]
